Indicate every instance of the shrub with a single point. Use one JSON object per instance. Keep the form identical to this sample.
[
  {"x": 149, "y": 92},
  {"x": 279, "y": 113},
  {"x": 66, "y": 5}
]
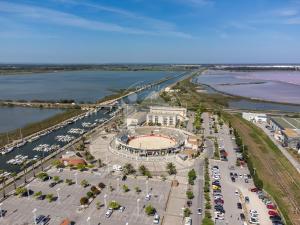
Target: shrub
[
  {"x": 189, "y": 194},
  {"x": 125, "y": 188},
  {"x": 101, "y": 185},
  {"x": 150, "y": 210},
  {"x": 21, "y": 191},
  {"x": 128, "y": 169},
  {"x": 187, "y": 212},
  {"x": 90, "y": 194},
  {"x": 114, "y": 205},
  {"x": 171, "y": 168},
  {"x": 84, "y": 201}
]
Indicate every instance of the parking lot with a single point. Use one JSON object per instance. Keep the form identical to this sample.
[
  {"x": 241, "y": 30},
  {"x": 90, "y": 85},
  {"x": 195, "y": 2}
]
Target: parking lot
[
  {"x": 235, "y": 192},
  {"x": 20, "y": 209}
]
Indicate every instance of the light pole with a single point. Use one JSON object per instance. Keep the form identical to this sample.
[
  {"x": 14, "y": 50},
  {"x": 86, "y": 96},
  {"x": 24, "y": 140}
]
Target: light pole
[
  {"x": 138, "y": 205},
  {"x": 34, "y": 215},
  {"x": 118, "y": 179},
  {"x": 28, "y": 191},
  {"x": 1, "y": 210},
  {"x": 147, "y": 191},
  {"x": 76, "y": 180},
  {"x": 88, "y": 220},
  {"x": 58, "y": 197},
  {"x": 105, "y": 203}
]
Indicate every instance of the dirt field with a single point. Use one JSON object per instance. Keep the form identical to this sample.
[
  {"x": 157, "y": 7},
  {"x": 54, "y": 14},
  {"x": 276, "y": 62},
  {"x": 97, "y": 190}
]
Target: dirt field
[{"x": 280, "y": 178}]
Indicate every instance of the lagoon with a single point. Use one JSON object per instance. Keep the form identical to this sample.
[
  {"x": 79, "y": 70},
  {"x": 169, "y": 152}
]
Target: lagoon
[{"x": 81, "y": 86}]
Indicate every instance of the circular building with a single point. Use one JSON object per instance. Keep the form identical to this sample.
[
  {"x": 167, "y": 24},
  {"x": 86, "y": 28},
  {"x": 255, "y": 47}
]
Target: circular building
[{"x": 150, "y": 141}]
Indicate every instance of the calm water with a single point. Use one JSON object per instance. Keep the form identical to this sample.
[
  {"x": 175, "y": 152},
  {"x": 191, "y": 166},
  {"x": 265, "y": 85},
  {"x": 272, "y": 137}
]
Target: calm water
[
  {"x": 27, "y": 149},
  {"x": 12, "y": 118},
  {"x": 84, "y": 86},
  {"x": 261, "y": 85}
]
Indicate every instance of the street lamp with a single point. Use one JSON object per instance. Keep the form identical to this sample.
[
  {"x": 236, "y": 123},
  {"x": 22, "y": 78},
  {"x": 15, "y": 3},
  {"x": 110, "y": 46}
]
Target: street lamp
[
  {"x": 118, "y": 179},
  {"x": 1, "y": 210},
  {"x": 28, "y": 191},
  {"x": 58, "y": 197},
  {"x": 137, "y": 205},
  {"x": 147, "y": 187},
  {"x": 105, "y": 203},
  {"x": 34, "y": 215},
  {"x": 76, "y": 180},
  {"x": 88, "y": 220}
]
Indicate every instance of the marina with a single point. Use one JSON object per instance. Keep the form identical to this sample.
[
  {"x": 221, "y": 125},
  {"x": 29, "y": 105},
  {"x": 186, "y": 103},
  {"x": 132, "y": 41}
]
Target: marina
[{"x": 59, "y": 135}]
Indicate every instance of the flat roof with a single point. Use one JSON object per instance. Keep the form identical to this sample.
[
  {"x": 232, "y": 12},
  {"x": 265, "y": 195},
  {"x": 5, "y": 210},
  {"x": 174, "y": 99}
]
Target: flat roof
[
  {"x": 287, "y": 122},
  {"x": 291, "y": 133}
]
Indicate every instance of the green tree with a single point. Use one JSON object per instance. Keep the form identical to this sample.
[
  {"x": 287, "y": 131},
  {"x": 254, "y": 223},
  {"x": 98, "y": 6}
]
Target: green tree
[
  {"x": 171, "y": 168},
  {"x": 90, "y": 194},
  {"x": 56, "y": 179},
  {"x": 84, "y": 183},
  {"x": 125, "y": 188},
  {"x": 150, "y": 210},
  {"x": 189, "y": 194},
  {"x": 187, "y": 212},
  {"x": 114, "y": 205},
  {"x": 84, "y": 201},
  {"x": 20, "y": 191},
  {"x": 128, "y": 169},
  {"x": 49, "y": 197}
]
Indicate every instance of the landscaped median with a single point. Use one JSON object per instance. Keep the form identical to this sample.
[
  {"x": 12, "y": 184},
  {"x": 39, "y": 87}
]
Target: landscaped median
[{"x": 207, "y": 220}]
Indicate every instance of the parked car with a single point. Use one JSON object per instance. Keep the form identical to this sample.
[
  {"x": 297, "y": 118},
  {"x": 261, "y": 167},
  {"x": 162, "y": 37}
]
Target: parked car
[
  {"x": 156, "y": 219},
  {"x": 121, "y": 209},
  {"x": 239, "y": 205},
  {"x": 253, "y": 189},
  {"x": 247, "y": 200},
  {"x": 109, "y": 212},
  {"x": 272, "y": 213},
  {"x": 242, "y": 216},
  {"x": 271, "y": 206},
  {"x": 199, "y": 211},
  {"x": 187, "y": 221}
]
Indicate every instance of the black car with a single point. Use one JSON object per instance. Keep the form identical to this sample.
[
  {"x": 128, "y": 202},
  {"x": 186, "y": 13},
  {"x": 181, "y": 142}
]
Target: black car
[
  {"x": 52, "y": 184},
  {"x": 276, "y": 217},
  {"x": 232, "y": 179},
  {"x": 45, "y": 220},
  {"x": 231, "y": 174},
  {"x": 239, "y": 205},
  {"x": 189, "y": 203},
  {"x": 242, "y": 216}
]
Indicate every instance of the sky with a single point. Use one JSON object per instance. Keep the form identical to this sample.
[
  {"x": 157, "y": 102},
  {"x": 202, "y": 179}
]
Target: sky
[{"x": 150, "y": 31}]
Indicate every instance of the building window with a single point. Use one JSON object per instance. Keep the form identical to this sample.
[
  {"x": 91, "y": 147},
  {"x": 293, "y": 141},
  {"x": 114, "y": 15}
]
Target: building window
[
  {"x": 165, "y": 121},
  {"x": 171, "y": 121},
  {"x": 156, "y": 119}
]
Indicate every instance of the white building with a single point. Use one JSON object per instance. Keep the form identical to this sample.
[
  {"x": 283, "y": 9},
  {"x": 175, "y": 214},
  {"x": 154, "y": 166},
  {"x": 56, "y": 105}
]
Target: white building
[
  {"x": 136, "y": 119},
  {"x": 166, "y": 116},
  {"x": 254, "y": 117}
]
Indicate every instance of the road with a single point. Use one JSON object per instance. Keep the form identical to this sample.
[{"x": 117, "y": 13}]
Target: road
[{"x": 198, "y": 192}]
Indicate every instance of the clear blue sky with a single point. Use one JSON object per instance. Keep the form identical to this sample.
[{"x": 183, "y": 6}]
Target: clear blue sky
[{"x": 154, "y": 31}]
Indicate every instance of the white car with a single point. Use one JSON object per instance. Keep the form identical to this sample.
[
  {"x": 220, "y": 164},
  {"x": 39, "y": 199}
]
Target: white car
[
  {"x": 109, "y": 212},
  {"x": 187, "y": 221},
  {"x": 236, "y": 192},
  {"x": 253, "y": 211},
  {"x": 199, "y": 211},
  {"x": 117, "y": 168},
  {"x": 254, "y": 220},
  {"x": 156, "y": 219},
  {"x": 148, "y": 197}
]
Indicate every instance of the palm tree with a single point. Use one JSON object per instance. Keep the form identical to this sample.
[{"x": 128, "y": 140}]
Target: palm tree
[
  {"x": 3, "y": 188},
  {"x": 13, "y": 175}
]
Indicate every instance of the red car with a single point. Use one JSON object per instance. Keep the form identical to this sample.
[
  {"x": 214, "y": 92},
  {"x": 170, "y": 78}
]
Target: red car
[
  {"x": 272, "y": 213},
  {"x": 270, "y": 206},
  {"x": 219, "y": 201},
  {"x": 254, "y": 189}
]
